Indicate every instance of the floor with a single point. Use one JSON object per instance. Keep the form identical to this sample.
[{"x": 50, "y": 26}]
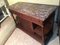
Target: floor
[
  {"x": 7, "y": 27},
  {"x": 19, "y": 37}
]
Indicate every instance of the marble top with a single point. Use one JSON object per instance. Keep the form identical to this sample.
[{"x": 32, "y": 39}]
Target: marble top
[{"x": 39, "y": 11}]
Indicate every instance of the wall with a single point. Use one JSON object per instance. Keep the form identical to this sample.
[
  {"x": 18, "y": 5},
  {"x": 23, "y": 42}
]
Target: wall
[{"x": 50, "y": 2}]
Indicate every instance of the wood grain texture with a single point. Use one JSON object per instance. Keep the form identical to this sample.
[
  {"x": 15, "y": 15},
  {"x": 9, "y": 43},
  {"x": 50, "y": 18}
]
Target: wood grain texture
[
  {"x": 38, "y": 11},
  {"x": 36, "y": 18}
]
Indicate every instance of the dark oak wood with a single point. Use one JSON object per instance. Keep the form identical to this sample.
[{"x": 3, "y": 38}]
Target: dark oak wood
[{"x": 37, "y": 18}]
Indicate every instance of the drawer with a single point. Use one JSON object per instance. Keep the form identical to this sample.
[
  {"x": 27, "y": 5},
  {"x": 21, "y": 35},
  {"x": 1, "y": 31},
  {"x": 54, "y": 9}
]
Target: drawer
[{"x": 31, "y": 19}]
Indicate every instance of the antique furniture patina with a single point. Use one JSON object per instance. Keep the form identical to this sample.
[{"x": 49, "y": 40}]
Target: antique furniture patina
[{"x": 37, "y": 18}]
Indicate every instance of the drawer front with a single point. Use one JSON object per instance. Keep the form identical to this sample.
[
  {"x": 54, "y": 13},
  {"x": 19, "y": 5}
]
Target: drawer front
[{"x": 31, "y": 19}]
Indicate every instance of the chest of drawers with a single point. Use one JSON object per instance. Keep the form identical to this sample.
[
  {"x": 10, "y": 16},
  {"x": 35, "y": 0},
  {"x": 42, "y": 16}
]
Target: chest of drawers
[{"x": 36, "y": 18}]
